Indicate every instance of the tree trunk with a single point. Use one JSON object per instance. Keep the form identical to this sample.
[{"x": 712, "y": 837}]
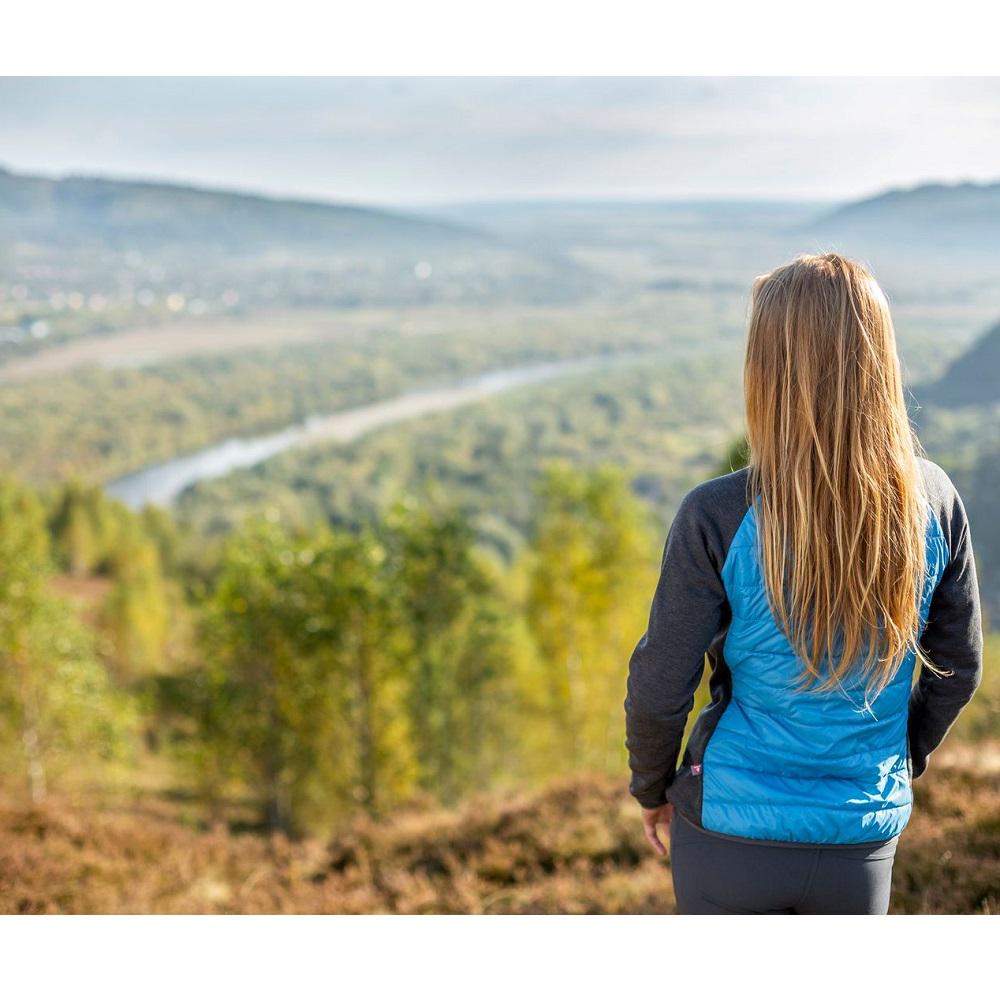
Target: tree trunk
[
  {"x": 36, "y": 766},
  {"x": 366, "y": 727}
]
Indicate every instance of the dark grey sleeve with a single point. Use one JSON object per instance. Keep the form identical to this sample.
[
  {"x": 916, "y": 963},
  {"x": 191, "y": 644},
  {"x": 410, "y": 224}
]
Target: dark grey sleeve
[
  {"x": 953, "y": 638},
  {"x": 666, "y": 667}
]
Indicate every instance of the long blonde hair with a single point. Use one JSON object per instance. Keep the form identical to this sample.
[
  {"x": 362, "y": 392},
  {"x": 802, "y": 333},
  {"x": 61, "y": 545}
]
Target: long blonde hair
[{"x": 833, "y": 467}]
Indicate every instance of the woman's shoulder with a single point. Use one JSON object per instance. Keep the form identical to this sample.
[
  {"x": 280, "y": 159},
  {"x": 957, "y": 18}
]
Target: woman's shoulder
[
  {"x": 713, "y": 510},
  {"x": 936, "y": 481},
  {"x": 944, "y": 500},
  {"x": 721, "y": 494}
]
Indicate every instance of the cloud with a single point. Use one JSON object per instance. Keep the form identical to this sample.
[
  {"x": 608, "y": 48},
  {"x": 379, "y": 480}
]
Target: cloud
[{"x": 419, "y": 139}]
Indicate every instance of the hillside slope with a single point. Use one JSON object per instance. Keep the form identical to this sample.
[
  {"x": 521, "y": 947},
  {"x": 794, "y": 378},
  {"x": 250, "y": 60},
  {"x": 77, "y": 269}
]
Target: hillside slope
[
  {"x": 137, "y": 215},
  {"x": 963, "y": 216},
  {"x": 575, "y": 847},
  {"x": 958, "y": 414},
  {"x": 973, "y": 378}
]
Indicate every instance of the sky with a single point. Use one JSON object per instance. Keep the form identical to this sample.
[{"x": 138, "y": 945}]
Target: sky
[{"x": 427, "y": 140}]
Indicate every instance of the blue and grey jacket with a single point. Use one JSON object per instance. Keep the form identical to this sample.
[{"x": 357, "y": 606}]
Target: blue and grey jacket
[{"x": 764, "y": 762}]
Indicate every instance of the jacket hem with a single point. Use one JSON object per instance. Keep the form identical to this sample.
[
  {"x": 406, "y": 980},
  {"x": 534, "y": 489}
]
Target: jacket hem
[{"x": 762, "y": 842}]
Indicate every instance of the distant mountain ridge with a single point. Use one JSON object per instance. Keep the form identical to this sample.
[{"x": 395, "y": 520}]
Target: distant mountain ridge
[
  {"x": 972, "y": 378},
  {"x": 966, "y": 213},
  {"x": 98, "y": 235},
  {"x": 130, "y": 214}
]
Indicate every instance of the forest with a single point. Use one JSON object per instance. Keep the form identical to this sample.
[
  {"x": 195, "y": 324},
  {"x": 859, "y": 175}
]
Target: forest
[
  {"x": 380, "y": 717},
  {"x": 303, "y": 676}
]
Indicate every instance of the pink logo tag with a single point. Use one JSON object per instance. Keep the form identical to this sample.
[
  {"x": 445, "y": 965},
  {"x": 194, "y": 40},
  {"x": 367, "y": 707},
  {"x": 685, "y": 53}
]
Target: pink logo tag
[{"x": 696, "y": 768}]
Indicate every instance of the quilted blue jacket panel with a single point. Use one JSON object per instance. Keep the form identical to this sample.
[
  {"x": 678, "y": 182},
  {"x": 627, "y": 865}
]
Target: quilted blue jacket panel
[{"x": 806, "y": 767}]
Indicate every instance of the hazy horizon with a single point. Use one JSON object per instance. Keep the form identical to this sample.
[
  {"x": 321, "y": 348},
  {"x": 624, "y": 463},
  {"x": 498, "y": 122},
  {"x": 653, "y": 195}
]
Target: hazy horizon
[
  {"x": 513, "y": 201},
  {"x": 423, "y": 141}
]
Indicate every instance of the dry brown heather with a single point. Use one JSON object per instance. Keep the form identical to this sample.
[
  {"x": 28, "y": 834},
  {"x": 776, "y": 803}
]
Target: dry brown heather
[{"x": 575, "y": 847}]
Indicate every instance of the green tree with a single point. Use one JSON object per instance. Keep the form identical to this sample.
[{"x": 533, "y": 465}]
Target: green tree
[
  {"x": 457, "y": 647},
  {"x": 258, "y": 690},
  {"x": 304, "y": 649},
  {"x": 355, "y": 633},
  {"x": 57, "y": 704},
  {"x": 736, "y": 458},
  {"x": 136, "y": 615},
  {"x": 83, "y": 527}
]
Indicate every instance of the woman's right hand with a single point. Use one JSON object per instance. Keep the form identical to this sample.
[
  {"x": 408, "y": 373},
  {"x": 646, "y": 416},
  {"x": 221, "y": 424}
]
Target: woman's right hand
[{"x": 651, "y": 819}]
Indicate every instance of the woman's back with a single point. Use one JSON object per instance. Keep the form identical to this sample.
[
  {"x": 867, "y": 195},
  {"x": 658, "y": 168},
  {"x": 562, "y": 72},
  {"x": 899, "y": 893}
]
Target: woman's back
[
  {"x": 763, "y": 761},
  {"x": 813, "y": 735}
]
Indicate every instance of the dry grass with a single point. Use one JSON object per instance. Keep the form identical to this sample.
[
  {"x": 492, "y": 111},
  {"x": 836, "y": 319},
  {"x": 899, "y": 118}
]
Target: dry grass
[{"x": 575, "y": 847}]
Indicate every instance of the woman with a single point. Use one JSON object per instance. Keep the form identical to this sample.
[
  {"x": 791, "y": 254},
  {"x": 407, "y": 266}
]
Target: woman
[{"x": 814, "y": 580}]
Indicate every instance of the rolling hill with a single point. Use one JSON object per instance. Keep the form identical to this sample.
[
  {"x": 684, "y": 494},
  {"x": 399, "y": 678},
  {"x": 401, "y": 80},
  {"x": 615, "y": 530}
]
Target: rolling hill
[
  {"x": 965, "y": 215},
  {"x": 139, "y": 215},
  {"x": 96, "y": 235}
]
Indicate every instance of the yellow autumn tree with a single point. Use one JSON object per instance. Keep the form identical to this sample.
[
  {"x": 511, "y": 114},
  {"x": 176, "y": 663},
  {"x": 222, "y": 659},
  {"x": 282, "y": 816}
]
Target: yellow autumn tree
[{"x": 587, "y": 578}]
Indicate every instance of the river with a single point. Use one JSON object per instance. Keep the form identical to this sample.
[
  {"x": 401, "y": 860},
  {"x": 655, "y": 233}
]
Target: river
[{"x": 163, "y": 483}]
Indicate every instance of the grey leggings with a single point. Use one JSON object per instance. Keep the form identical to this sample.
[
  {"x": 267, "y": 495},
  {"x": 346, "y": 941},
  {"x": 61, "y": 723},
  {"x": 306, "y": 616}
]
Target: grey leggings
[{"x": 715, "y": 875}]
